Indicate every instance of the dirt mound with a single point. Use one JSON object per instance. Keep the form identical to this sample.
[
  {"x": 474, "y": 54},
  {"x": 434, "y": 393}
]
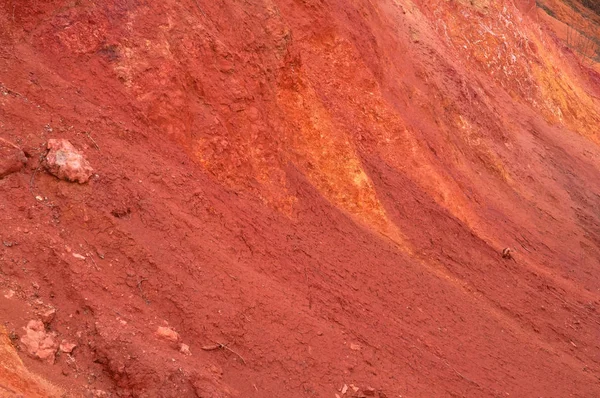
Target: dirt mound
[{"x": 302, "y": 199}]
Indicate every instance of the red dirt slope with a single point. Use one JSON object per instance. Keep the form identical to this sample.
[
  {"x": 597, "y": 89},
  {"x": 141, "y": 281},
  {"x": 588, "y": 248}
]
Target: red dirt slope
[{"x": 315, "y": 192}]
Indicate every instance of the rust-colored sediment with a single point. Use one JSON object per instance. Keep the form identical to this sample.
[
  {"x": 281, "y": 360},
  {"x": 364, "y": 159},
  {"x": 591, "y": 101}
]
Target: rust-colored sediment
[{"x": 318, "y": 193}]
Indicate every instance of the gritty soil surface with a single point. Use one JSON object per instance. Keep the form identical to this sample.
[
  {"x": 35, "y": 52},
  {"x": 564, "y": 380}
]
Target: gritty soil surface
[{"x": 302, "y": 199}]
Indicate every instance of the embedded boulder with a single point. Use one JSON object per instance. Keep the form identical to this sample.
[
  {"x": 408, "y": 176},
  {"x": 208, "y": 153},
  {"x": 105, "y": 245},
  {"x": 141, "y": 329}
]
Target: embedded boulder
[
  {"x": 12, "y": 158},
  {"x": 66, "y": 162}
]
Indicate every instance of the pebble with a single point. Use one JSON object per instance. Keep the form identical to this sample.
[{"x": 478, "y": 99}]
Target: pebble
[{"x": 167, "y": 333}]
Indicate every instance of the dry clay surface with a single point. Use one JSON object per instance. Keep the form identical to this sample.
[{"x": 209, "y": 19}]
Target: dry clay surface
[{"x": 298, "y": 198}]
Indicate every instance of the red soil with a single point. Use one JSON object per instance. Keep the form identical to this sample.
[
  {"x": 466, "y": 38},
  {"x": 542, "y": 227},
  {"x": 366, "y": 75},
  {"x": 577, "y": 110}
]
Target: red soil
[{"x": 324, "y": 187}]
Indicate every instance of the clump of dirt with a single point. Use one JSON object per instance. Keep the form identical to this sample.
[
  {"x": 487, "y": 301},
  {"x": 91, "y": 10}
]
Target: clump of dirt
[{"x": 12, "y": 158}]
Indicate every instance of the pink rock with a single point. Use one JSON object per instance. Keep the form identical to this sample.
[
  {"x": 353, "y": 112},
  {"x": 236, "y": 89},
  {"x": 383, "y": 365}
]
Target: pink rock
[
  {"x": 67, "y": 347},
  {"x": 185, "y": 349},
  {"x": 66, "y": 163},
  {"x": 12, "y": 158},
  {"x": 38, "y": 343},
  {"x": 167, "y": 333}
]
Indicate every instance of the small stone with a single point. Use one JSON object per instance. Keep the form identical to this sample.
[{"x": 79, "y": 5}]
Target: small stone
[
  {"x": 48, "y": 316},
  {"x": 507, "y": 253},
  {"x": 185, "y": 349},
  {"x": 167, "y": 333},
  {"x": 78, "y": 256},
  {"x": 38, "y": 343},
  {"x": 39, "y": 198},
  {"x": 66, "y": 162},
  {"x": 369, "y": 392},
  {"x": 12, "y": 158},
  {"x": 67, "y": 347},
  {"x": 355, "y": 347}
]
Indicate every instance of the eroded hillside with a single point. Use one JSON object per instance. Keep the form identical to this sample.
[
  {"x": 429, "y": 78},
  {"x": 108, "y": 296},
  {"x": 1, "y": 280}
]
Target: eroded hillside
[{"x": 315, "y": 195}]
